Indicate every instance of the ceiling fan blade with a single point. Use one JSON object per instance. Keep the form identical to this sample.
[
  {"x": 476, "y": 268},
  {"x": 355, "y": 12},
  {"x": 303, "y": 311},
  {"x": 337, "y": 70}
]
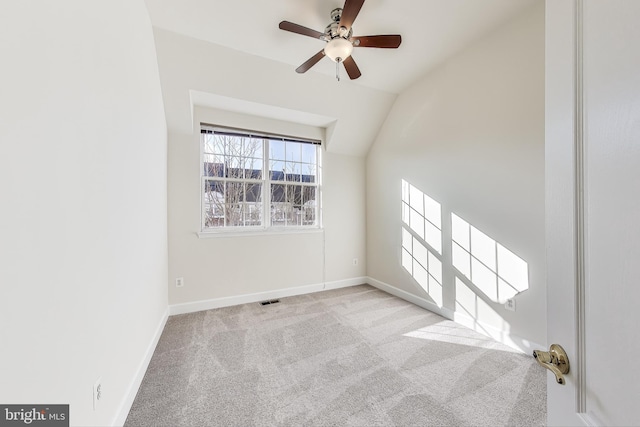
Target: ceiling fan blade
[
  {"x": 299, "y": 29},
  {"x": 349, "y": 12},
  {"x": 391, "y": 41},
  {"x": 310, "y": 62},
  {"x": 352, "y": 68}
]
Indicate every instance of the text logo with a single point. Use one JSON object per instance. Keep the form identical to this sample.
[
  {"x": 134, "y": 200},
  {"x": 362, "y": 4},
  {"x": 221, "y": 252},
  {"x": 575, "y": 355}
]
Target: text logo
[{"x": 34, "y": 415}]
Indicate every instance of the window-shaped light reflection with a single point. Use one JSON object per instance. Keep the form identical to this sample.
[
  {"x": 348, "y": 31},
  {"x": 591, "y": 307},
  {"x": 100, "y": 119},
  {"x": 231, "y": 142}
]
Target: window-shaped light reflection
[
  {"x": 461, "y": 260},
  {"x": 416, "y": 199},
  {"x": 493, "y": 269},
  {"x": 407, "y": 250},
  {"x": 423, "y": 215},
  {"x": 421, "y": 240},
  {"x": 416, "y": 222},
  {"x": 484, "y": 278},
  {"x": 483, "y": 248},
  {"x": 422, "y": 265},
  {"x": 469, "y": 303},
  {"x": 513, "y": 273}
]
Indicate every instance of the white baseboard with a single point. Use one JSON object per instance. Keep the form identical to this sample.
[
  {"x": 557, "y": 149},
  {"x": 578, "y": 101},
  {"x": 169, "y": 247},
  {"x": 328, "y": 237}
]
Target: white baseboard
[
  {"x": 345, "y": 283},
  {"x": 421, "y": 302},
  {"x": 192, "y": 307},
  {"x": 130, "y": 395},
  {"x": 505, "y": 337}
]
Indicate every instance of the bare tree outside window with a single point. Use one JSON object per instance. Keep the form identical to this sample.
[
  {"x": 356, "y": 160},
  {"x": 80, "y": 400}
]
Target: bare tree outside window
[
  {"x": 293, "y": 198},
  {"x": 233, "y": 195},
  {"x": 241, "y": 171}
]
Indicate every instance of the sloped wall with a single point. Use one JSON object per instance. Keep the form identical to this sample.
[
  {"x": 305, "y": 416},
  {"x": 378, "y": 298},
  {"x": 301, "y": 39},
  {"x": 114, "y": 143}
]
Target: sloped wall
[{"x": 466, "y": 143}]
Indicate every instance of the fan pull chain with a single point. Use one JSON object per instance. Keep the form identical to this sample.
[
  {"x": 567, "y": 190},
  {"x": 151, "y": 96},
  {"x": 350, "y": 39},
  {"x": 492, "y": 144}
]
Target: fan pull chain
[{"x": 338, "y": 69}]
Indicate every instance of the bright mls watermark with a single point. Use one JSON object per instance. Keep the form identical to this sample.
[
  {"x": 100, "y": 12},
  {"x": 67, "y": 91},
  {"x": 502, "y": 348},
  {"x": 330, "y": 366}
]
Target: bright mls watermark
[{"x": 34, "y": 415}]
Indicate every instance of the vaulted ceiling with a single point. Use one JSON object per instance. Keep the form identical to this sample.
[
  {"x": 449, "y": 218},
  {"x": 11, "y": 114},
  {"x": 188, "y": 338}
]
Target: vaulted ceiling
[
  {"x": 431, "y": 30},
  {"x": 232, "y": 55}
]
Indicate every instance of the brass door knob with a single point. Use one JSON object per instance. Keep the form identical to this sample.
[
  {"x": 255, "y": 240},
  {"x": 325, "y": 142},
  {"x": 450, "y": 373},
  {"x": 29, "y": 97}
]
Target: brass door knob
[{"x": 555, "y": 360}]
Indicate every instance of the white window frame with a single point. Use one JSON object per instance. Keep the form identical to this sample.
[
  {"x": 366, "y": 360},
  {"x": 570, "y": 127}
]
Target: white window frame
[{"x": 266, "y": 183}]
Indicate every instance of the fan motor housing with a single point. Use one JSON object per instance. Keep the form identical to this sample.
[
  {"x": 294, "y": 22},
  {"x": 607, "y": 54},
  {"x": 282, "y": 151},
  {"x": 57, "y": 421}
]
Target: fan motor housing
[
  {"x": 333, "y": 30},
  {"x": 336, "y": 14}
]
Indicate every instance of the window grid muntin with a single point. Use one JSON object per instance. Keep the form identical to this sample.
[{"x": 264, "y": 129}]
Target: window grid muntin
[
  {"x": 303, "y": 212},
  {"x": 266, "y": 181}
]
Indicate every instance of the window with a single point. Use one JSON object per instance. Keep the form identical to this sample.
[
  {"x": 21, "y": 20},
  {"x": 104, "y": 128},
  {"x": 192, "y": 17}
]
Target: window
[{"x": 258, "y": 181}]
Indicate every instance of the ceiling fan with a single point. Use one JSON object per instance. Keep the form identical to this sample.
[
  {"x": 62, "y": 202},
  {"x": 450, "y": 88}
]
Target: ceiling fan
[{"x": 340, "y": 40}]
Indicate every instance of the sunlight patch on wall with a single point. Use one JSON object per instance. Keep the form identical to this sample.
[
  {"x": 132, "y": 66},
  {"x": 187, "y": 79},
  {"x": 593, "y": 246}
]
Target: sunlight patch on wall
[
  {"x": 421, "y": 240},
  {"x": 493, "y": 269},
  {"x": 422, "y": 265},
  {"x": 423, "y": 215},
  {"x": 477, "y": 314}
]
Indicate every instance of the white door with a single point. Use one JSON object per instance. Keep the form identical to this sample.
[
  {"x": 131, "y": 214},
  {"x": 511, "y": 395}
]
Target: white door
[{"x": 593, "y": 208}]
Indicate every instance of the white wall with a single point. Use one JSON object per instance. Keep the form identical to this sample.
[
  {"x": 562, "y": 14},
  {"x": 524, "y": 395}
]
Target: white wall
[
  {"x": 187, "y": 64},
  {"x": 221, "y": 267},
  {"x": 470, "y": 135},
  {"x": 83, "y": 252},
  {"x": 204, "y": 82}
]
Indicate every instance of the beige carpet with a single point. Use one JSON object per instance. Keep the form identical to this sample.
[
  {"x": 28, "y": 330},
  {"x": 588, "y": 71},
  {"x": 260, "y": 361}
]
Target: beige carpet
[{"x": 348, "y": 357}]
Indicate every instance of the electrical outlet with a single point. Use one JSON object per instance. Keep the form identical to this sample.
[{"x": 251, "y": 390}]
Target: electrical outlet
[
  {"x": 179, "y": 282},
  {"x": 355, "y": 261},
  {"x": 97, "y": 393},
  {"x": 510, "y": 304}
]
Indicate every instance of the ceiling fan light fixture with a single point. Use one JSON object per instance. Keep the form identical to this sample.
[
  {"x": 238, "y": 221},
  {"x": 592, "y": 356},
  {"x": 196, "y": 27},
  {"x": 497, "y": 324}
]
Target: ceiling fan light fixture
[
  {"x": 338, "y": 36},
  {"x": 338, "y": 49}
]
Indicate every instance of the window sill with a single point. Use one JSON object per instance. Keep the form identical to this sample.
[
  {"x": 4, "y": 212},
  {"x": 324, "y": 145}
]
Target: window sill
[{"x": 254, "y": 233}]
